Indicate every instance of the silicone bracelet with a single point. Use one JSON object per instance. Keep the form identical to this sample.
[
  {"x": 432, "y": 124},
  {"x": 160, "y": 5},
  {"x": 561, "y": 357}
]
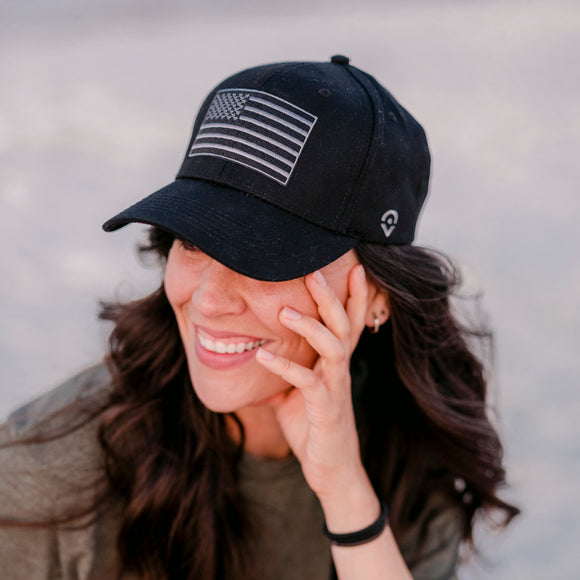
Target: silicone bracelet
[{"x": 362, "y": 536}]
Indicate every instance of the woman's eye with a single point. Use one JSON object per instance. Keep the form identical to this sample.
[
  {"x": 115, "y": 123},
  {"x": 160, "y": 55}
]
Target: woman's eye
[{"x": 188, "y": 247}]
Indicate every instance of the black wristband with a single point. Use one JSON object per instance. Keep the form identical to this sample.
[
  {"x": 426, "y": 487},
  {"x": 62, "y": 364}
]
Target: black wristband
[{"x": 362, "y": 536}]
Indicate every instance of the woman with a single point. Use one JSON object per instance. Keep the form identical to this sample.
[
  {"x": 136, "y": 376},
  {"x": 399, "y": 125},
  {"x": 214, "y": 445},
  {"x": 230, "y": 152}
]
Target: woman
[{"x": 247, "y": 425}]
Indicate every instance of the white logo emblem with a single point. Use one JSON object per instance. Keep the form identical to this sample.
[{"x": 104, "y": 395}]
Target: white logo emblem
[{"x": 389, "y": 221}]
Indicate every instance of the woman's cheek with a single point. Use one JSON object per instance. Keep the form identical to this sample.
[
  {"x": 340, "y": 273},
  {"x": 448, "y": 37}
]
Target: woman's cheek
[
  {"x": 180, "y": 277},
  {"x": 175, "y": 289}
]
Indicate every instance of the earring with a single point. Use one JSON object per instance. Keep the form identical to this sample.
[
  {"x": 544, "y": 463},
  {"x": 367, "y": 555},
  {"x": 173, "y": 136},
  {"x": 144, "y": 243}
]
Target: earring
[{"x": 377, "y": 324}]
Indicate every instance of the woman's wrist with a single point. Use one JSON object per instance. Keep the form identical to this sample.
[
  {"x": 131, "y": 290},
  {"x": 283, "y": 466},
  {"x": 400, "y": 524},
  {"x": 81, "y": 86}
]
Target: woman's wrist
[
  {"x": 362, "y": 536},
  {"x": 355, "y": 508}
]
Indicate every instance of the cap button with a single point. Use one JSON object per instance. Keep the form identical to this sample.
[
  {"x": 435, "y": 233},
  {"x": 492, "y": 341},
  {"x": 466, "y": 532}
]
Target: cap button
[{"x": 340, "y": 59}]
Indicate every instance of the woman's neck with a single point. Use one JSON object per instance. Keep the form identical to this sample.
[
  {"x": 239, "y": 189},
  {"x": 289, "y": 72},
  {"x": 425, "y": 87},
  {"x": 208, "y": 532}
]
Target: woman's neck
[{"x": 263, "y": 436}]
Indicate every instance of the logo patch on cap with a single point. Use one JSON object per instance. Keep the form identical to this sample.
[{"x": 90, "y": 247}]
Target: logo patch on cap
[
  {"x": 254, "y": 129},
  {"x": 389, "y": 221}
]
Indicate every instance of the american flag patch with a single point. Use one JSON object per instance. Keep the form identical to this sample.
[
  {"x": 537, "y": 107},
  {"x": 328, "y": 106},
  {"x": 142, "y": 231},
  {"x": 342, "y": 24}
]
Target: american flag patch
[{"x": 254, "y": 129}]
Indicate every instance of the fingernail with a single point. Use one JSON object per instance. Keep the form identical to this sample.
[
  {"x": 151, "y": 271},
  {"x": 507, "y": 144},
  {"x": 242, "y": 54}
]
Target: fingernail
[
  {"x": 264, "y": 354},
  {"x": 361, "y": 272},
  {"x": 291, "y": 314},
  {"x": 319, "y": 278}
]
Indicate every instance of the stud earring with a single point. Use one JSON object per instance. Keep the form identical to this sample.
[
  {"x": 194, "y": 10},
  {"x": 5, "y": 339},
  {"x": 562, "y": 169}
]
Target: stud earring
[{"x": 377, "y": 324}]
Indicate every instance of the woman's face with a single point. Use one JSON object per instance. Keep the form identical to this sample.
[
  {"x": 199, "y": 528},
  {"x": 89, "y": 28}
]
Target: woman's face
[{"x": 224, "y": 316}]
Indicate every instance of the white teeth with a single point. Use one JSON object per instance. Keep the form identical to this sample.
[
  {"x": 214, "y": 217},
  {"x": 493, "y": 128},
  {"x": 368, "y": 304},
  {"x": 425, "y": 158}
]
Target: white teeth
[{"x": 229, "y": 347}]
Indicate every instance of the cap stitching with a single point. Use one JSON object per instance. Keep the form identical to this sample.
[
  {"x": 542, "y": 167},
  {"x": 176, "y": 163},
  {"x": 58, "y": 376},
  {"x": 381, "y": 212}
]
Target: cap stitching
[
  {"x": 288, "y": 68},
  {"x": 351, "y": 186},
  {"x": 360, "y": 181},
  {"x": 343, "y": 205}
]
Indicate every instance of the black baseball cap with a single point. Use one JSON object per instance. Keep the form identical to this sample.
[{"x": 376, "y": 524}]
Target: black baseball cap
[{"x": 291, "y": 165}]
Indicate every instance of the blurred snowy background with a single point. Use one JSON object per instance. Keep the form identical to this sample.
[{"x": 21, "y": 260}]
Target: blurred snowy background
[{"x": 96, "y": 107}]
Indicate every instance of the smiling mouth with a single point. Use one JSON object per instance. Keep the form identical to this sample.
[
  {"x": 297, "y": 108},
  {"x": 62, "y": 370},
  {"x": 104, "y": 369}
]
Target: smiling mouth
[{"x": 221, "y": 347}]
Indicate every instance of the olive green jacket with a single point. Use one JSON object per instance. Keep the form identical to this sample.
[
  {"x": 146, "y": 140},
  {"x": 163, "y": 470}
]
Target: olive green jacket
[{"x": 40, "y": 481}]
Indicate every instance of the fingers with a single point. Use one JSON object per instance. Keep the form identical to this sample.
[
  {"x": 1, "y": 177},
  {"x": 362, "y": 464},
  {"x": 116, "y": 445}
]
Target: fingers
[
  {"x": 330, "y": 308},
  {"x": 299, "y": 376},
  {"x": 345, "y": 322},
  {"x": 337, "y": 332},
  {"x": 357, "y": 303},
  {"x": 333, "y": 337},
  {"x": 319, "y": 336}
]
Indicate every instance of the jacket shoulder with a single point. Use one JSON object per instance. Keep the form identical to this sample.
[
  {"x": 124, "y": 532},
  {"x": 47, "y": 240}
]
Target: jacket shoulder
[
  {"x": 91, "y": 385},
  {"x": 50, "y": 456}
]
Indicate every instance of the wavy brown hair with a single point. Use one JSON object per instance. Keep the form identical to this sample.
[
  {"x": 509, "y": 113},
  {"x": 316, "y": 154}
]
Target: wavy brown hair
[
  {"x": 422, "y": 416},
  {"x": 423, "y": 413},
  {"x": 419, "y": 392}
]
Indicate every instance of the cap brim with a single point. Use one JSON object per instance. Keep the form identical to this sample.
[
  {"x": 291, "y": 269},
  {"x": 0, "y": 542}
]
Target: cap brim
[{"x": 245, "y": 233}]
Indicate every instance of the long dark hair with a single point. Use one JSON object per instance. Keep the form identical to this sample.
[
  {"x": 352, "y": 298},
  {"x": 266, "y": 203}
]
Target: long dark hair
[
  {"x": 420, "y": 399},
  {"x": 424, "y": 415}
]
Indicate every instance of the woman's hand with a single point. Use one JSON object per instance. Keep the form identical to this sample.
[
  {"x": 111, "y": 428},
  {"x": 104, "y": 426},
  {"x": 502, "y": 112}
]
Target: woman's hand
[{"x": 317, "y": 416}]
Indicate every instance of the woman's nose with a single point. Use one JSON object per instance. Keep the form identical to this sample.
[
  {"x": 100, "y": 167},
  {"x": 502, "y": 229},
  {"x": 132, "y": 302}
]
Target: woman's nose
[{"x": 219, "y": 291}]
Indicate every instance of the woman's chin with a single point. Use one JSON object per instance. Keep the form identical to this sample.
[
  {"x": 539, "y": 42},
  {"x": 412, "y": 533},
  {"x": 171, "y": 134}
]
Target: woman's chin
[
  {"x": 222, "y": 393},
  {"x": 217, "y": 404}
]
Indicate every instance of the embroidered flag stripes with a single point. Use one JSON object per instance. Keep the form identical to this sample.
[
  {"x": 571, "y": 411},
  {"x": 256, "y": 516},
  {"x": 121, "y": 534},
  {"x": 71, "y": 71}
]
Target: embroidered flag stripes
[{"x": 254, "y": 129}]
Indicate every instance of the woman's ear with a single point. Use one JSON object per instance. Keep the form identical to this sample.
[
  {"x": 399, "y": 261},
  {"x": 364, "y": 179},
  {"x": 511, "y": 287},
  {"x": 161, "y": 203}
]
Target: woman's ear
[{"x": 378, "y": 309}]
